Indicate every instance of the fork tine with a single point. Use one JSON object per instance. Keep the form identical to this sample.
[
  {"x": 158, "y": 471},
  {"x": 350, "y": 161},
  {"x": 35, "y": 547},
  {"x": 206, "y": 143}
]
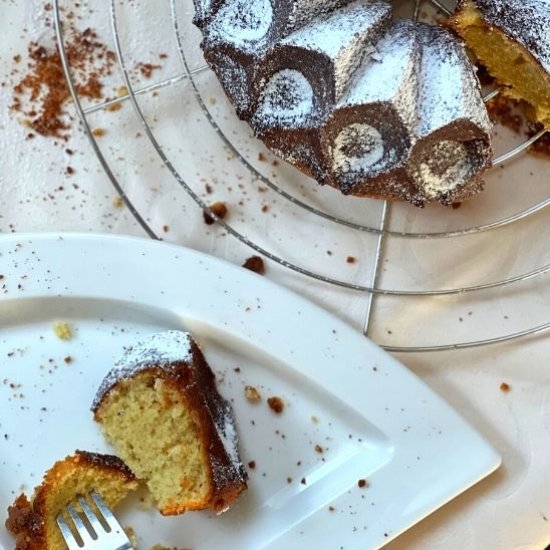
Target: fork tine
[
  {"x": 80, "y": 527},
  {"x": 67, "y": 534},
  {"x": 110, "y": 519},
  {"x": 90, "y": 515}
]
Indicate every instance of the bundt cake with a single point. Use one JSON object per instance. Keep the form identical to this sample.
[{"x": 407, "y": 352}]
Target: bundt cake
[
  {"x": 511, "y": 38},
  {"x": 160, "y": 409},
  {"x": 33, "y": 522},
  {"x": 368, "y": 105}
]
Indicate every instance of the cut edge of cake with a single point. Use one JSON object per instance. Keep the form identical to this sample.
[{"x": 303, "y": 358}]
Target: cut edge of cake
[
  {"x": 32, "y": 521},
  {"x": 160, "y": 409},
  {"x": 498, "y": 44}
]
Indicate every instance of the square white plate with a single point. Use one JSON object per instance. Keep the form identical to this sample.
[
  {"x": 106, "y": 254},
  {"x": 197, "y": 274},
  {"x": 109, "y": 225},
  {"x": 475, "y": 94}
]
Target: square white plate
[{"x": 370, "y": 416}]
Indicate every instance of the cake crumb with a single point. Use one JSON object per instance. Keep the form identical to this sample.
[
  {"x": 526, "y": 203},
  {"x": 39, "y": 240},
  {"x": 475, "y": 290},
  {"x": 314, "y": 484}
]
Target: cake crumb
[
  {"x": 118, "y": 202},
  {"x": 63, "y": 330},
  {"x": 219, "y": 209},
  {"x": 362, "y": 483},
  {"x": 276, "y": 404},
  {"x": 331, "y": 508},
  {"x": 261, "y": 157},
  {"x": 256, "y": 264},
  {"x": 252, "y": 394},
  {"x": 504, "y": 387},
  {"x": 98, "y": 132},
  {"x": 122, "y": 91},
  {"x": 68, "y": 359},
  {"x": 319, "y": 449},
  {"x": 252, "y": 464},
  {"x": 131, "y": 535},
  {"x": 351, "y": 259}
]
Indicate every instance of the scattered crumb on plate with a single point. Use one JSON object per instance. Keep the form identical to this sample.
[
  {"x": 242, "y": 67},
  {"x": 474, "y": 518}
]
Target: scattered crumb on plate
[
  {"x": 256, "y": 264},
  {"x": 63, "y": 330},
  {"x": 219, "y": 209},
  {"x": 252, "y": 394},
  {"x": 276, "y": 404},
  {"x": 131, "y": 535}
]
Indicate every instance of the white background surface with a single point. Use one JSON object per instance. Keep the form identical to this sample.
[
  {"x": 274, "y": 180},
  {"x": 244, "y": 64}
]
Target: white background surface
[{"x": 510, "y": 510}]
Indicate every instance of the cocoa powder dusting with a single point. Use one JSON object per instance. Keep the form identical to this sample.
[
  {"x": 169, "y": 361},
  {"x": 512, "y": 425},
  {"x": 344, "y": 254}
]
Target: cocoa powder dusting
[
  {"x": 42, "y": 93},
  {"x": 147, "y": 69}
]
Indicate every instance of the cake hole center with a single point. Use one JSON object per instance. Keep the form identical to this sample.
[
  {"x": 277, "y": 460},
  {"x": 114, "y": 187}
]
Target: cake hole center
[
  {"x": 247, "y": 21},
  {"x": 446, "y": 167},
  {"x": 288, "y": 97},
  {"x": 358, "y": 148}
]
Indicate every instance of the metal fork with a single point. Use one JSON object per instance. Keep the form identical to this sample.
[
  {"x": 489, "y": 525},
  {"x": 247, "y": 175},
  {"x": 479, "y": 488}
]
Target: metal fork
[{"x": 102, "y": 533}]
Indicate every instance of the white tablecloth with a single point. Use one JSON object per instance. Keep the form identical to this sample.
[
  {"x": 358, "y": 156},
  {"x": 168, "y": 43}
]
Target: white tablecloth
[{"x": 509, "y": 510}]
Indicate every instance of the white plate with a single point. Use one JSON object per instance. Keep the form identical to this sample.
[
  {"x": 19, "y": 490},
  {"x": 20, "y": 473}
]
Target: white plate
[{"x": 371, "y": 416}]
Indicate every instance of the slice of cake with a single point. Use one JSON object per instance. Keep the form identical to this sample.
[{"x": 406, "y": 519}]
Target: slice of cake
[
  {"x": 161, "y": 410},
  {"x": 33, "y": 522},
  {"x": 511, "y": 38}
]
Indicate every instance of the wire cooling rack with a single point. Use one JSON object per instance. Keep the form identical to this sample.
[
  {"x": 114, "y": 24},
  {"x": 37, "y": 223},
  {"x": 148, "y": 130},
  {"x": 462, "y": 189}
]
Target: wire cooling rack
[{"x": 389, "y": 239}]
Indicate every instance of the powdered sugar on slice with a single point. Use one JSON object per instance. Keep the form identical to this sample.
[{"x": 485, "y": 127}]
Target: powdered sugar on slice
[{"x": 160, "y": 349}]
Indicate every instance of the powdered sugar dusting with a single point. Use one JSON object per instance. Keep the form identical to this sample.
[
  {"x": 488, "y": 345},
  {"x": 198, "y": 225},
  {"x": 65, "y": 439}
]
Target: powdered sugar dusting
[
  {"x": 344, "y": 37},
  {"x": 227, "y": 432},
  {"x": 449, "y": 90},
  {"x": 457, "y": 169},
  {"x": 162, "y": 349},
  {"x": 286, "y": 100},
  {"x": 243, "y": 23},
  {"x": 359, "y": 148},
  {"x": 383, "y": 99},
  {"x": 204, "y": 9},
  {"x": 390, "y": 74}
]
